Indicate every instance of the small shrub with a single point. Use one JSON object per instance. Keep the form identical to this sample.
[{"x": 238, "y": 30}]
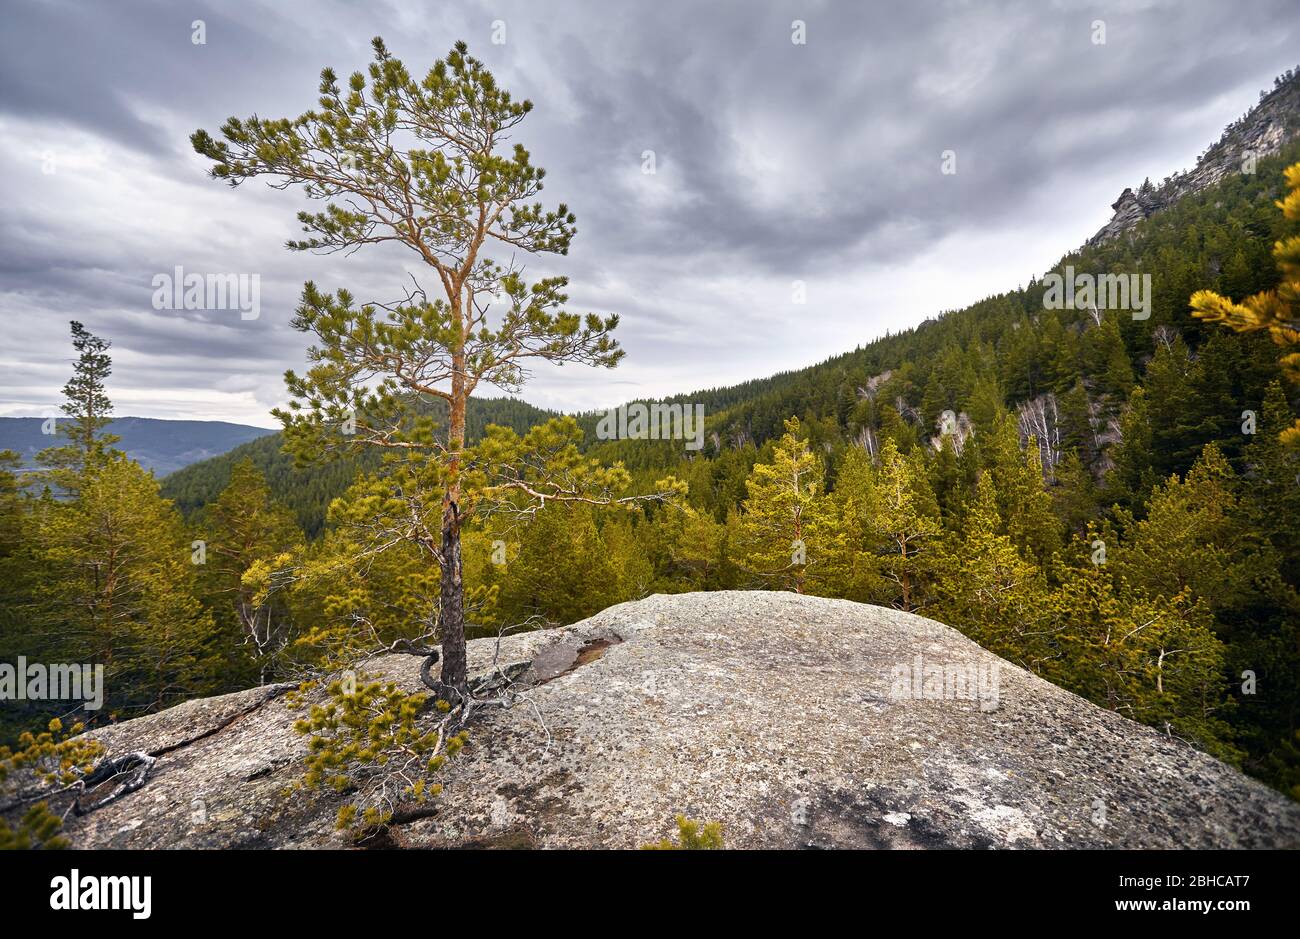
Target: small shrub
[
  {"x": 373, "y": 741},
  {"x": 693, "y": 836}
]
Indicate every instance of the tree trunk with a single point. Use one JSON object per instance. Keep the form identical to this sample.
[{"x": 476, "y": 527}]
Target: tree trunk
[
  {"x": 903, "y": 580},
  {"x": 451, "y": 611}
]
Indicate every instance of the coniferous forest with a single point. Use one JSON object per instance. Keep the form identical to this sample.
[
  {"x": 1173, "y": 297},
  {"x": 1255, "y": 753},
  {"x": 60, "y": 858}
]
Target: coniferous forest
[{"x": 1109, "y": 501}]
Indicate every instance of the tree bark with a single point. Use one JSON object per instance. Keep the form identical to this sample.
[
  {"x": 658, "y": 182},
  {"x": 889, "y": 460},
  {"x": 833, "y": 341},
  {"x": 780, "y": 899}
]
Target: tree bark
[{"x": 451, "y": 610}]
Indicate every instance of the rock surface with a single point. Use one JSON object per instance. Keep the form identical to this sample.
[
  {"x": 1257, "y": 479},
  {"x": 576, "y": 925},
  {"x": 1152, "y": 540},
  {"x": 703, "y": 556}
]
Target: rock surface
[
  {"x": 783, "y": 717},
  {"x": 1260, "y": 133}
]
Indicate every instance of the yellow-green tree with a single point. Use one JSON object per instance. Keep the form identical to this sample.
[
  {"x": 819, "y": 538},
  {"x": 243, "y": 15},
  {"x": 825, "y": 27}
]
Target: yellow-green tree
[
  {"x": 1024, "y": 504},
  {"x": 1276, "y": 311},
  {"x": 690, "y": 549},
  {"x": 905, "y": 524},
  {"x": 788, "y": 533},
  {"x": 1153, "y": 659},
  {"x": 985, "y": 588},
  {"x": 855, "y": 500},
  {"x": 563, "y": 569}
]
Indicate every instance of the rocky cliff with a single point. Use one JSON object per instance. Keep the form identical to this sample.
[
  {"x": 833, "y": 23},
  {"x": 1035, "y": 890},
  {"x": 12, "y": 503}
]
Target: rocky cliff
[
  {"x": 1260, "y": 133},
  {"x": 795, "y": 721}
]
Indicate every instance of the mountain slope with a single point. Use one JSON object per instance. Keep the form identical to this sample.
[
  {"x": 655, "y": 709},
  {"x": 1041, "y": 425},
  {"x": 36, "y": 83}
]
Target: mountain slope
[
  {"x": 1261, "y": 132},
  {"x": 163, "y": 446},
  {"x": 1212, "y": 228}
]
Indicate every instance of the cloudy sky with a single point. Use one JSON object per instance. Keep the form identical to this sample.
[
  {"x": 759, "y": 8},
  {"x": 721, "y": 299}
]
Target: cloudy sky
[{"x": 775, "y": 163}]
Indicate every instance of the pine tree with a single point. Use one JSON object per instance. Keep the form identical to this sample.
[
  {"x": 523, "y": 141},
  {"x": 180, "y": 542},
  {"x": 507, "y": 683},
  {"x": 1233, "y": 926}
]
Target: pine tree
[
  {"x": 88, "y": 411},
  {"x": 1172, "y": 410},
  {"x": 562, "y": 570},
  {"x": 1191, "y": 541},
  {"x": 120, "y": 589},
  {"x": 987, "y": 590},
  {"x": 905, "y": 524},
  {"x": 1023, "y": 502},
  {"x": 1108, "y": 360},
  {"x": 1078, "y": 431},
  {"x": 1074, "y": 495},
  {"x": 1133, "y": 474},
  {"x": 244, "y": 526},
  {"x": 857, "y": 574},
  {"x": 1152, "y": 659},
  {"x": 425, "y": 159},
  {"x": 1272, "y": 496},
  {"x": 1275, "y": 311},
  {"x": 20, "y": 582},
  {"x": 787, "y": 532}
]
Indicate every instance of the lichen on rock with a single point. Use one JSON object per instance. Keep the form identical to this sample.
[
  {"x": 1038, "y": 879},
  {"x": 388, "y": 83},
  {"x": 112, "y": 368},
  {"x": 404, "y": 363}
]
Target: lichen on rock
[{"x": 783, "y": 717}]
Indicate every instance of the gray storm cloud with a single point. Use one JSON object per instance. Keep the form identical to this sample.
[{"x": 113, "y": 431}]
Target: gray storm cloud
[{"x": 775, "y": 162}]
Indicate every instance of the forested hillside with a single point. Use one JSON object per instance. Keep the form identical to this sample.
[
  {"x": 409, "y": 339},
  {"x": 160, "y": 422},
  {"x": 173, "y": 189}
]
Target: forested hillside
[
  {"x": 308, "y": 489},
  {"x": 1004, "y": 351}
]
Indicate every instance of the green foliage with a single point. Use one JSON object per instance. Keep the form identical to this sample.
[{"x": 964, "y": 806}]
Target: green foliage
[
  {"x": 37, "y": 829},
  {"x": 120, "y": 589},
  {"x": 692, "y": 836},
  {"x": 1155, "y": 660},
  {"x": 1276, "y": 312},
  {"x": 88, "y": 411},
  {"x": 1076, "y": 426},
  {"x": 242, "y": 528},
  {"x": 987, "y": 589},
  {"x": 787, "y": 534},
  {"x": 382, "y": 745},
  {"x": 52, "y": 757},
  {"x": 904, "y": 525}
]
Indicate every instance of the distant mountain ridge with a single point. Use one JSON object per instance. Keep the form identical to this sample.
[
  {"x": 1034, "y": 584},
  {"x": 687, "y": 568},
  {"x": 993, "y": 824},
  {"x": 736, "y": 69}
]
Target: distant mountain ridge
[
  {"x": 308, "y": 491},
  {"x": 163, "y": 446}
]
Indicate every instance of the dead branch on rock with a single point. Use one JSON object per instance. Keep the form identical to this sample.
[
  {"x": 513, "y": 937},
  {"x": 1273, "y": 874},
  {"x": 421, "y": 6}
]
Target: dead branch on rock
[{"x": 132, "y": 768}]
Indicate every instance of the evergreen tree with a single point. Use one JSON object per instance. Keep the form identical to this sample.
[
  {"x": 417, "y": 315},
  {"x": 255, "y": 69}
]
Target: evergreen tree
[
  {"x": 856, "y": 574},
  {"x": 1074, "y": 496},
  {"x": 987, "y": 590},
  {"x": 787, "y": 531},
  {"x": 120, "y": 589},
  {"x": 1172, "y": 410},
  {"x": 1108, "y": 360},
  {"x": 87, "y": 409},
  {"x": 905, "y": 524},
  {"x": 1023, "y": 502},
  {"x": 425, "y": 159},
  {"x": 1275, "y": 311},
  {"x": 563, "y": 570},
  {"x": 1272, "y": 496},
  {"x": 1154, "y": 660},
  {"x": 244, "y": 526},
  {"x": 1077, "y": 428},
  {"x": 1133, "y": 474},
  {"x": 1192, "y": 542},
  {"x": 20, "y": 582}
]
